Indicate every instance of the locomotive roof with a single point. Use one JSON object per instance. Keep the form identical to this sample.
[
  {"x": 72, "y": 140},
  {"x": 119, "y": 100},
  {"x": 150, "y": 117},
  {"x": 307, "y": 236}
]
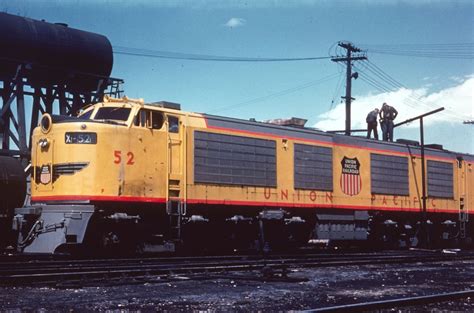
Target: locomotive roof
[
  {"x": 291, "y": 132},
  {"x": 316, "y": 135}
]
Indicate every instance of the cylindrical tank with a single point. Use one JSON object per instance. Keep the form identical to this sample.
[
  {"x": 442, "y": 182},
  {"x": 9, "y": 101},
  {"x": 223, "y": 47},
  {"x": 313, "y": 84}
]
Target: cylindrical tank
[
  {"x": 53, "y": 53},
  {"x": 12, "y": 185}
]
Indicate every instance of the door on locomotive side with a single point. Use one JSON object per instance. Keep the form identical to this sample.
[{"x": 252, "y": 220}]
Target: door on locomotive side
[
  {"x": 175, "y": 160},
  {"x": 150, "y": 127}
]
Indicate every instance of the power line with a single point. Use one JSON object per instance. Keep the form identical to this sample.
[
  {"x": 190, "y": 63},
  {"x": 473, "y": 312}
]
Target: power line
[
  {"x": 338, "y": 87},
  {"x": 203, "y": 57},
  {"x": 381, "y": 85},
  {"x": 439, "y": 51},
  {"x": 426, "y": 55},
  {"x": 414, "y": 96},
  {"x": 420, "y": 45},
  {"x": 277, "y": 94},
  {"x": 383, "y": 82},
  {"x": 382, "y": 77}
]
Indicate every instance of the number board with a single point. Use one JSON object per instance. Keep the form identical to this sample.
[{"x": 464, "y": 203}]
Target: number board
[{"x": 80, "y": 138}]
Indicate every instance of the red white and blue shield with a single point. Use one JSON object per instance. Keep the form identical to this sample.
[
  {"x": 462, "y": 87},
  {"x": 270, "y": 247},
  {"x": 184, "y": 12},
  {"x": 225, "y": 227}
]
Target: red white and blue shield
[
  {"x": 351, "y": 183},
  {"x": 45, "y": 174}
]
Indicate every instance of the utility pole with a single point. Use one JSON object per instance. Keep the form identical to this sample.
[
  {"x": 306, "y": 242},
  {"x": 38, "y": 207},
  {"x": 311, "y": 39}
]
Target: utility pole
[{"x": 348, "y": 59}]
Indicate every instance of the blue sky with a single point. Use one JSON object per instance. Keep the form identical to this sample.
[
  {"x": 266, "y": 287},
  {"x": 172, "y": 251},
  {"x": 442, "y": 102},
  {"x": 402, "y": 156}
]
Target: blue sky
[{"x": 284, "y": 29}]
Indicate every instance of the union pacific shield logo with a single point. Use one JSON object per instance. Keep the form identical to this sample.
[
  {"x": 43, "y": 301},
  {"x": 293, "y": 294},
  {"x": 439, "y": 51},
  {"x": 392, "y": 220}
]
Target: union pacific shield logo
[
  {"x": 351, "y": 183},
  {"x": 45, "y": 174}
]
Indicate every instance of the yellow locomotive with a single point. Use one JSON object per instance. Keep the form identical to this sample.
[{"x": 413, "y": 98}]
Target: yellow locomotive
[{"x": 129, "y": 174}]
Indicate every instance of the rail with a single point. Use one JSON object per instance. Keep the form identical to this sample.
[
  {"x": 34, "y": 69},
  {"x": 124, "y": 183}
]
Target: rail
[
  {"x": 51, "y": 272},
  {"x": 396, "y": 303}
]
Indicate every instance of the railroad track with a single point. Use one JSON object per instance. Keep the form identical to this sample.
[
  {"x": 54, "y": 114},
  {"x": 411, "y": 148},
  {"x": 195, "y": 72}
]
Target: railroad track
[
  {"x": 52, "y": 272},
  {"x": 396, "y": 303}
]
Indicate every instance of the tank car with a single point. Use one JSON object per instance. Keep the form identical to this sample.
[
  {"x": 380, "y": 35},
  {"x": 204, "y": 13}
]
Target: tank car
[
  {"x": 53, "y": 53},
  {"x": 130, "y": 175}
]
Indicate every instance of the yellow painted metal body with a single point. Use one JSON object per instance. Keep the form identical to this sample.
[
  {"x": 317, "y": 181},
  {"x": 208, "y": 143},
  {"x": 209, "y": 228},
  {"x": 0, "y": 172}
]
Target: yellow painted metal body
[
  {"x": 128, "y": 162},
  {"x": 136, "y": 163}
]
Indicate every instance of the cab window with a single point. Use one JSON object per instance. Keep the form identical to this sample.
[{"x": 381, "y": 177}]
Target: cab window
[
  {"x": 111, "y": 113},
  {"x": 157, "y": 120},
  {"x": 86, "y": 115},
  {"x": 149, "y": 119},
  {"x": 173, "y": 124}
]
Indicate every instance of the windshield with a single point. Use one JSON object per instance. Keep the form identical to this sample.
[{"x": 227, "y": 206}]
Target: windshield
[
  {"x": 86, "y": 115},
  {"x": 110, "y": 113}
]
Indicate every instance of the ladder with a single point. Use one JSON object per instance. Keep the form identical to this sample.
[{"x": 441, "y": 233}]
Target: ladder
[
  {"x": 176, "y": 180},
  {"x": 463, "y": 218},
  {"x": 463, "y": 200},
  {"x": 175, "y": 210}
]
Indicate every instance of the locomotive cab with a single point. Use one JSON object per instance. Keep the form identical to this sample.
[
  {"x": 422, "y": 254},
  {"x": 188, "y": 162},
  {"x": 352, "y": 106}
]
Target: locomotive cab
[{"x": 111, "y": 163}]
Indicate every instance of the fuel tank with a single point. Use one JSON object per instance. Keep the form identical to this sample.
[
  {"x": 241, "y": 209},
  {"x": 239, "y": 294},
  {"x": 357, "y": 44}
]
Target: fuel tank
[{"x": 53, "y": 53}]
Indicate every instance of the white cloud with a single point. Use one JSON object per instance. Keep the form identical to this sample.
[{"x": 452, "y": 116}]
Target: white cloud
[
  {"x": 458, "y": 102},
  {"x": 431, "y": 78},
  {"x": 235, "y": 22},
  {"x": 457, "y": 79}
]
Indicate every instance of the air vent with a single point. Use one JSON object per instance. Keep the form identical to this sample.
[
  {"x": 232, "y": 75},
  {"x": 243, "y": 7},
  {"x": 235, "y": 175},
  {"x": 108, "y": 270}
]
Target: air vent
[
  {"x": 292, "y": 122},
  {"x": 434, "y": 146},
  {"x": 408, "y": 142},
  {"x": 166, "y": 105}
]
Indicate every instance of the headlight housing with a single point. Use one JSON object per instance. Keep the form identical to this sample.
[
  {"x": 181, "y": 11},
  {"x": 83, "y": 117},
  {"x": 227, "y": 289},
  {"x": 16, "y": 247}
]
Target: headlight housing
[{"x": 46, "y": 123}]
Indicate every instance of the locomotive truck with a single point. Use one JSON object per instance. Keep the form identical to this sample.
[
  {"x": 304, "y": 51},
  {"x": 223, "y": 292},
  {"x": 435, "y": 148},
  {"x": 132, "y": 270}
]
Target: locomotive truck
[{"x": 138, "y": 176}]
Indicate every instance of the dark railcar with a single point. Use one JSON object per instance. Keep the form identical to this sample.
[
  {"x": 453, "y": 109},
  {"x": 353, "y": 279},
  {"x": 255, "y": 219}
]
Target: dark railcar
[{"x": 12, "y": 194}]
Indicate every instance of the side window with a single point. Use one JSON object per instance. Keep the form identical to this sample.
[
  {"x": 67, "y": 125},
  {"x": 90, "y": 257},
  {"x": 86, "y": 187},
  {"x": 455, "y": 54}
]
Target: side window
[
  {"x": 144, "y": 118},
  {"x": 173, "y": 124},
  {"x": 141, "y": 118},
  {"x": 149, "y": 119},
  {"x": 157, "y": 120}
]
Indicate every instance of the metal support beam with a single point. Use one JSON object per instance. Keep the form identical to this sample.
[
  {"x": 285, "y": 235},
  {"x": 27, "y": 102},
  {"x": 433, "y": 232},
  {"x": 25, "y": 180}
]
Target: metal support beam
[
  {"x": 18, "y": 96},
  {"x": 424, "y": 227},
  {"x": 36, "y": 110},
  {"x": 426, "y": 239},
  {"x": 20, "y": 108}
]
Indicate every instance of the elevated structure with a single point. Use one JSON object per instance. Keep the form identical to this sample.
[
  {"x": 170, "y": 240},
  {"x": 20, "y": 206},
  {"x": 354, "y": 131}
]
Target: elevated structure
[{"x": 46, "y": 68}]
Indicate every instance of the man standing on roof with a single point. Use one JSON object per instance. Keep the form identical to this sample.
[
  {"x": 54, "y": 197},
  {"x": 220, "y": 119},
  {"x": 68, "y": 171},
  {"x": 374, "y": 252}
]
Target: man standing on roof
[
  {"x": 372, "y": 123},
  {"x": 387, "y": 114}
]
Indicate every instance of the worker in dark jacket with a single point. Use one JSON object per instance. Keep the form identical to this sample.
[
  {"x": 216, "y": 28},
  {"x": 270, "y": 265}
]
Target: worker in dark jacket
[
  {"x": 387, "y": 114},
  {"x": 372, "y": 123}
]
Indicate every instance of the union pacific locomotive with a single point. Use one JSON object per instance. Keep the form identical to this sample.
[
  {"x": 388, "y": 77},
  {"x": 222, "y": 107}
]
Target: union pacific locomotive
[{"x": 147, "y": 176}]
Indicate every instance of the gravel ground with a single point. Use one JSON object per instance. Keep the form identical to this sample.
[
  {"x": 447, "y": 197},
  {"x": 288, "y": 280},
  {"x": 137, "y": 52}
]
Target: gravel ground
[{"x": 309, "y": 288}]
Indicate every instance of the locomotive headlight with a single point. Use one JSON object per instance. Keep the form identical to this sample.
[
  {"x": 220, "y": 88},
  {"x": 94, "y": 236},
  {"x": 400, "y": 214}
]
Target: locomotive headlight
[
  {"x": 46, "y": 123},
  {"x": 43, "y": 143}
]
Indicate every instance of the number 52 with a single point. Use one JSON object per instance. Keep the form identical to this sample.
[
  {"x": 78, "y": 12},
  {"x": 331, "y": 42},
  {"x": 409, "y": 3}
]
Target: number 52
[{"x": 118, "y": 157}]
